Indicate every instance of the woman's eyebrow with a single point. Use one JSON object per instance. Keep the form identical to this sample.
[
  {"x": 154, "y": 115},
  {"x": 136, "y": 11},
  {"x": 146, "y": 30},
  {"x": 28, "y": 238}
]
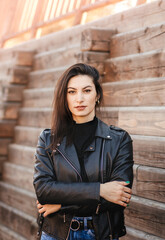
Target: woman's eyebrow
[{"x": 83, "y": 87}]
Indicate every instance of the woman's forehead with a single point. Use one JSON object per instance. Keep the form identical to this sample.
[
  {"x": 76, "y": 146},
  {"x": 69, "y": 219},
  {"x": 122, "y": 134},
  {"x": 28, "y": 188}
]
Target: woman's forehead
[{"x": 80, "y": 81}]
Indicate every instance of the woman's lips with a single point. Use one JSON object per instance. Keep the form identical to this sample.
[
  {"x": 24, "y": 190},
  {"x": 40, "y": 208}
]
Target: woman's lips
[{"x": 80, "y": 108}]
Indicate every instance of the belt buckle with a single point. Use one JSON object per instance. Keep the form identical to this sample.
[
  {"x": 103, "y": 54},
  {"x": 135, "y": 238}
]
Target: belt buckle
[{"x": 76, "y": 223}]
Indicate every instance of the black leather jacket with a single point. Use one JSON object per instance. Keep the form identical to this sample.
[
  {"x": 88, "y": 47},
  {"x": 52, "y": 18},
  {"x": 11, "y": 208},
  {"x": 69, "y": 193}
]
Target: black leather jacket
[{"x": 57, "y": 180}]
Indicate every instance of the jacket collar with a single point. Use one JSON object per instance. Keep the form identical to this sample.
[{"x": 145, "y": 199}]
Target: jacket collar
[{"x": 102, "y": 130}]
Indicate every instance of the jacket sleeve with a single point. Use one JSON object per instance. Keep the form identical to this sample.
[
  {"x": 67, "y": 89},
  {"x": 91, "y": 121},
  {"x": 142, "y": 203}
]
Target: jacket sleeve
[
  {"x": 48, "y": 190},
  {"x": 122, "y": 168}
]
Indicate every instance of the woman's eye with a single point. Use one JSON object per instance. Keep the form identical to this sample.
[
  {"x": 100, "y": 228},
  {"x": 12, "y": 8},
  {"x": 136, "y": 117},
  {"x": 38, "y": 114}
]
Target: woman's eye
[
  {"x": 71, "y": 92},
  {"x": 88, "y": 90}
]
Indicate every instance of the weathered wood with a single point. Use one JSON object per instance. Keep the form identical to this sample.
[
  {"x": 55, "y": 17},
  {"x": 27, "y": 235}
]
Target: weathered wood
[
  {"x": 56, "y": 58},
  {"x": 12, "y": 93},
  {"x": 144, "y": 65},
  {"x": 4, "y": 143},
  {"x": 9, "y": 110},
  {"x": 29, "y": 117},
  {"x": 142, "y": 92},
  {"x": 24, "y": 176},
  {"x": 45, "y": 78},
  {"x": 7, "y": 128},
  {"x": 143, "y": 121},
  {"x": 146, "y": 215},
  {"x": 20, "y": 74},
  {"x": 143, "y": 40},
  {"x": 149, "y": 182},
  {"x": 149, "y": 150},
  {"x": 95, "y": 39},
  {"x": 32, "y": 97},
  {"x": 8, "y": 234},
  {"x": 23, "y": 58},
  {"x": 21, "y": 155},
  {"x": 21, "y": 132},
  {"x": 95, "y": 59},
  {"x": 19, "y": 198},
  {"x": 2, "y": 160},
  {"x": 134, "y": 234},
  {"x": 140, "y": 120},
  {"x": 20, "y": 222}
]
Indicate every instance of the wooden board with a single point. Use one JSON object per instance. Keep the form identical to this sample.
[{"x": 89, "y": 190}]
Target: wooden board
[
  {"x": 95, "y": 39},
  {"x": 9, "y": 110},
  {"x": 95, "y": 59},
  {"x": 146, "y": 215},
  {"x": 147, "y": 121},
  {"x": 4, "y": 143},
  {"x": 138, "y": 41},
  {"x": 7, "y": 128},
  {"x": 142, "y": 92},
  {"x": 149, "y": 182},
  {"x": 149, "y": 150},
  {"x": 144, "y": 65}
]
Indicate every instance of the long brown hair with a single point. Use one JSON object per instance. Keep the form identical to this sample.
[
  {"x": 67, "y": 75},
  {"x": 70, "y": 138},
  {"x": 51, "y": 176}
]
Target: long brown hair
[{"x": 62, "y": 121}]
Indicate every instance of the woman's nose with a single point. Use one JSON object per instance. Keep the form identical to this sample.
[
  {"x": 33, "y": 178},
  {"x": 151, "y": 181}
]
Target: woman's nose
[{"x": 80, "y": 97}]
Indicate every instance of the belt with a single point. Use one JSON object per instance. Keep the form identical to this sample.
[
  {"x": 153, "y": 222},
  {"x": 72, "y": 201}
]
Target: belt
[{"x": 78, "y": 224}]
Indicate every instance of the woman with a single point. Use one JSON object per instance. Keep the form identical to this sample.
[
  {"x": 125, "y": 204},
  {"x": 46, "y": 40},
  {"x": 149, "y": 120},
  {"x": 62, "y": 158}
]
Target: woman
[{"x": 83, "y": 169}]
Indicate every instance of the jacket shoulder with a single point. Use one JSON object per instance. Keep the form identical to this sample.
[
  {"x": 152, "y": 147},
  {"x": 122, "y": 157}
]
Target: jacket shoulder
[
  {"x": 45, "y": 136},
  {"x": 120, "y": 132}
]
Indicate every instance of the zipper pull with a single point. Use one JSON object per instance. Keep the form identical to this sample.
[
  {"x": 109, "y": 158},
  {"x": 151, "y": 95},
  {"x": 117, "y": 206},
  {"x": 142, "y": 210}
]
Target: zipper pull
[
  {"x": 97, "y": 209},
  {"x": 64, "y": 218}
]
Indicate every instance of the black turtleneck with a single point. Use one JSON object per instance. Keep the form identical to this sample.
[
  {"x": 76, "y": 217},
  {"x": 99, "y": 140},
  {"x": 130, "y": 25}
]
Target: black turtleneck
[{"x": 83, "y": 135}]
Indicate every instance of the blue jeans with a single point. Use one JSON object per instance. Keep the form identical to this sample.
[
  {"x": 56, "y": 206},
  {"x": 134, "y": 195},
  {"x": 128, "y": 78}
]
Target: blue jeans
[{"x": 86, "y": 234}]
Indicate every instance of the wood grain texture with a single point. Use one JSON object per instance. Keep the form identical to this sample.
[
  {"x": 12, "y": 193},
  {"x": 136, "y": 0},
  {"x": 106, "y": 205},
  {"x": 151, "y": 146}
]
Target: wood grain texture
[
  {"x": 7, "y": 128},
  {"x": 138, "y": 41},
  {"x": 149, "y": 150},
  {"x": 146, "y": 215},
  {"x": 95, "y": 39},
  {"x": 144, "y": 65},
  {"x": 142, "y": 92}
]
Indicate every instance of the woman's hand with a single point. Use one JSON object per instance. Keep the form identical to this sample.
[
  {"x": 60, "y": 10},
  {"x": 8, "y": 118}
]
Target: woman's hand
[
  {"x": 48, "y": 208},
  {"x": 116, "y": 192}
]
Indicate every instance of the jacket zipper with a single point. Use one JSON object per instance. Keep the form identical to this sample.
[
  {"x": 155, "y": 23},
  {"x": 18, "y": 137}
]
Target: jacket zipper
[
  {"x": 102, "y": 180},
  {"x": 70, "y": 163},
  {"x": 80, "y": 180}
]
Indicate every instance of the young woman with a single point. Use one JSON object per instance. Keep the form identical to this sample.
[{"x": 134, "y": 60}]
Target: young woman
[{"x": 83, "y": 169}]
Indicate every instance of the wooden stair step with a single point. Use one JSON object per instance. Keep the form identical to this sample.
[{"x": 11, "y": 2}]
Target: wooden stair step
[
  {"x": 12, "y": 92},
  {"x": 27, "y": 135},
  {"x": 19, "y": 176},
  {"x": 146, "y": 215},
  {"x": 95, "y": 59},
  {"x": 20, "y": 199},
  {"x": 135, "y": 66},
  {"x": 4, "y": 143},
  {"x": 30, "y": 116},
  {"x": 9, "y": 110},
  {"x": 16, "y": 74},
  {"x": 137, "y": 41},
  {"x": 96, "y": 39},
  {"x": 7, "y": 128},
  {"x": 140, "y": 120},
  {"x": 45, "y": 78},
  {"x": 149, "y": 182},
  {"x": 56, "y": 58},
  {"x": 21, "y": 155},
  {"x": 140, "y": 92},
  {"x": 149, "y": 150},
  {"x": 134, "y": 234},
  {"x": 41, "y": 97},
  {"x": 2, "y": 160},
  {"x": 8, "y": 234},
  {"x": 19, "y": 222}
]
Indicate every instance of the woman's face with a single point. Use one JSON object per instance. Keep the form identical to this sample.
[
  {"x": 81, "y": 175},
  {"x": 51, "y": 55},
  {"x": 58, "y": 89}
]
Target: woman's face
[{"x": 81, "y": 98}]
